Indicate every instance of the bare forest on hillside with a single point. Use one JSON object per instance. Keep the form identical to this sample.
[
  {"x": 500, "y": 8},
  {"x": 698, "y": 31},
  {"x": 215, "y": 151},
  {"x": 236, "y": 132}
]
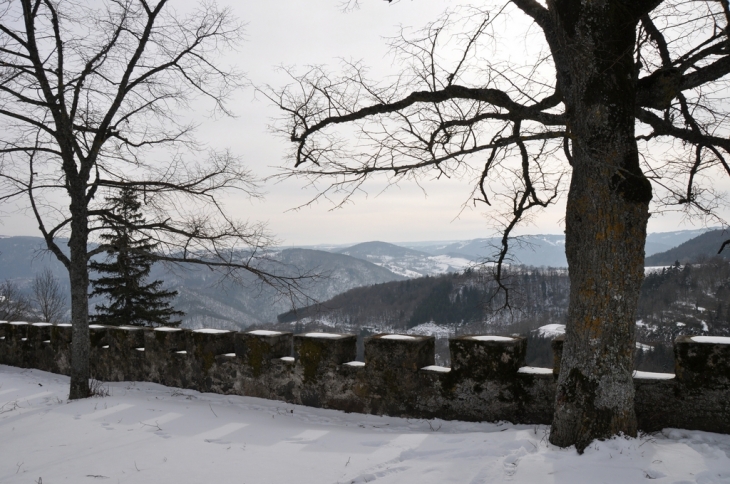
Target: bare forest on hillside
[{"x": 677, "y": 300}]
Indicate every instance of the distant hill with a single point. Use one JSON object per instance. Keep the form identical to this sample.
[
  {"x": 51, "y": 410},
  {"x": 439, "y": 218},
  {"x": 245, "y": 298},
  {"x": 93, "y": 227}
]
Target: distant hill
[
  {"x": 450, "y": 300},
  {"x": 23, "y": 257},
  {"x": 369, "y": 249},
  {"x": 406, "y": 261},
  {"x": 685, "y": 300},
  {"x": 705, "y": 245},
  {"x": 206, "y": 300},
  {"x": 208, "y": 303},
  {"x": 230, "y": 306},
  {"x": 662, "y": 241},
  {"x": 546, "y": 250}
]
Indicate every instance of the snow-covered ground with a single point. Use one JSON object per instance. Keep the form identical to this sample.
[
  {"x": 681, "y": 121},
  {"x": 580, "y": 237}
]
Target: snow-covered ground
[
  {"x": 147, "y": 433},
  {"x": 418, "y": 266}
]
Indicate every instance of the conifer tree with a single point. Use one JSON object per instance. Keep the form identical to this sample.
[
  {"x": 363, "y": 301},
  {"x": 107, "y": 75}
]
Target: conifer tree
[{"x": 131, "y": 300}]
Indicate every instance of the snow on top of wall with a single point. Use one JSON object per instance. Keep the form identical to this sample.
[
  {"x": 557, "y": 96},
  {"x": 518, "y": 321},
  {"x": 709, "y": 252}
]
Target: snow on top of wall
[
  {"x": 398, "y": 337},
  {"x": 264, "y": 332},
  {"x": 323, "y": 335},
  {"x": 648, "y": 375},
  {"x": 551, "y": 330},
  {"x": 42, "y": 324},
  {"x": 436, "y": 368},
  {"x": 718, "y": 340},
  {"x": 356, "y": 364},
  {"x": 492, "y": 338},
  {"x": 167, "y": 329},
  {"x": 534, "y": 370},
  {"x": 211, "y": 331},
  {"x": 19, "y": 323}
]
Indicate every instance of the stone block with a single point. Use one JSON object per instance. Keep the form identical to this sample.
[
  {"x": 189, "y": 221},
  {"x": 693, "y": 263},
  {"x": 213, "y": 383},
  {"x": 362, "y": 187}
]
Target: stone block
[
  {"x": 702, "y": 361},
  {"x": 257, "y": 348},
  {"x": 60, "y": 347},
  {"x": 39, "y": 332},
  {"x": 16, "y": 343},
  {"x": 125, "y": 339},
  {"x": 557, "y": 345},
  {"x": 98, "y": 336},
  {"x": 35, "y": 348},
  {"x": 99, "y": 352},
  {"x": 317, "y": 352},
  {"x": 399, "y": 351},
  {"x": 165, "y": 341},
  {"x": 4, "y": 345},
  {"x": 205, "y": 344},
  {"x": 61, "y": 336},
  {"x": 487, "y": 357},
  {"x": 16, "y": 331},
  {"x": 127, "y": 359}
]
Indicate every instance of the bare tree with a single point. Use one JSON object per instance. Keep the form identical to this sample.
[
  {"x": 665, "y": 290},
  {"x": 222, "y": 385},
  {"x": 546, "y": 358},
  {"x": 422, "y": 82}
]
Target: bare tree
[
  {"x": 49, "y": 296},
  {"x": 618, "y": 99},
  {"x": 92, "y": 99},
  {"x": 14, "y": 305}
]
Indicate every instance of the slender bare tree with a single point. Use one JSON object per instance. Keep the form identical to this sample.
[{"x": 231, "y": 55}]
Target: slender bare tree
[
  {"x": 14, "y": 305},
  {"x": 48, "y": 296},
  {"x": 611, "y": 101},
  {"x": 100, "y": 95}
]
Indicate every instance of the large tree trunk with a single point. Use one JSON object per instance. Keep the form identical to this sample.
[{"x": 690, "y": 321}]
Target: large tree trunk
[
  {"x": 607, "y": 212},
  {"x": 79, "y": 278}
]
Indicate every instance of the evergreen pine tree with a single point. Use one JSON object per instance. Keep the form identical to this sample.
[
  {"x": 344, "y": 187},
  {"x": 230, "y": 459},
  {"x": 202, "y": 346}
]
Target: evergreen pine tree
[{"x": 123, "y": 275}]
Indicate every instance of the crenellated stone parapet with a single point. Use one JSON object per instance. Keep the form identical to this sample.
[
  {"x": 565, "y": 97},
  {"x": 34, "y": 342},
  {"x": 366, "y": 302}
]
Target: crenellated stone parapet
[{"x": 486, "y": 382}]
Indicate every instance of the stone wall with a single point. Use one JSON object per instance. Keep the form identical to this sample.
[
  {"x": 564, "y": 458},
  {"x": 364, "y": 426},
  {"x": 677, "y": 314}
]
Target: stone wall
[{"x": 487, "y": 381}]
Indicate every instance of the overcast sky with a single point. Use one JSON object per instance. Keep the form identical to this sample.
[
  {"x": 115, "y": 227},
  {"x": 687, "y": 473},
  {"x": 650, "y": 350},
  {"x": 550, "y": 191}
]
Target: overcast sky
[{"x": 300, "y": 33}]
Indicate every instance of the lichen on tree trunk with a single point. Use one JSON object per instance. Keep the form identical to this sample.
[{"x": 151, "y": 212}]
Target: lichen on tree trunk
[{"x": 606, "y": 217}]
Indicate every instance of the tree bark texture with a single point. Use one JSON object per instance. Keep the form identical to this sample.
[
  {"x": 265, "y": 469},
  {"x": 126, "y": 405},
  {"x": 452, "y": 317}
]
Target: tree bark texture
[
  {"x": 79, "y": 279},
  {"x": 607, "y": 213}
]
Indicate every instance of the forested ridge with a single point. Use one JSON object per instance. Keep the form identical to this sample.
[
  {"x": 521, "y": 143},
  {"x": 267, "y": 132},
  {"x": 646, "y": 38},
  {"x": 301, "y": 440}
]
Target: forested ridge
[
  {"x": 466, "y": 299},
  {"x": 705, "y": 245},
  {"x": 676, "y": 300}
]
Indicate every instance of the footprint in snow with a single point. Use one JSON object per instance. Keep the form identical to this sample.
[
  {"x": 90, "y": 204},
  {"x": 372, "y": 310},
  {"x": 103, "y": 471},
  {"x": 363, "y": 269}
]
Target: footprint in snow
[{"x": 654, "y": 474}]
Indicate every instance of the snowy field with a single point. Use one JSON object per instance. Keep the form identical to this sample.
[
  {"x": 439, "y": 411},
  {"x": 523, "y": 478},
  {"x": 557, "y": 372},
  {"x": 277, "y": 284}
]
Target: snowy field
[{"x": 147, "y": 433}]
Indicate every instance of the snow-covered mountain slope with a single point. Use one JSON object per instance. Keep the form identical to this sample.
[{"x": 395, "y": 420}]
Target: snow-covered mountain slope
[
  {"x": 144, "y": 433},
  {"x": 542, "y": 249},
  {"x": 536, "y": 250},
  {"x": 405, "y": 261}
]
